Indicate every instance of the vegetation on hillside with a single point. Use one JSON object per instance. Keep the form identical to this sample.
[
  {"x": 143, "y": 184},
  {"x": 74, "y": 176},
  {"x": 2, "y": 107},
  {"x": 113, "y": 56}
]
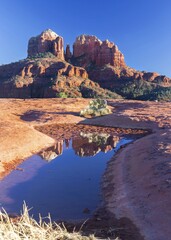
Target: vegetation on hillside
[
  {"x": 85, "y": 90},
  {"x": 143, "y": 90},
  {"x": 42, "y": 55},
  {"x": 52, "y": 84}
]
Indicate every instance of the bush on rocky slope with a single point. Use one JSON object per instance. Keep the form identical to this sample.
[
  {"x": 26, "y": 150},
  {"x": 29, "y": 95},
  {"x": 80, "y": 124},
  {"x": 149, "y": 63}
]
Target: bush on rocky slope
[
  {"x": 42, "y": 55},
  {"x": 143, "y": 90},
  {"x": 85, "y": 90}
]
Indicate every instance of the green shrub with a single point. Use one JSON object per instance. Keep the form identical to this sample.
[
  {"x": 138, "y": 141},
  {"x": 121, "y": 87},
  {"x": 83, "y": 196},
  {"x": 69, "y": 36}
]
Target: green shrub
[
  {"x": 136, "y": 89},
  {"x": 42, "y": 55},
  {"x": 161, "y": 94},
  {"x": 143, "y": 90},
  {"x": 97, "y": 92},
  {"x": 97, "y": 107},
  {"x": 61, "y": 95}
]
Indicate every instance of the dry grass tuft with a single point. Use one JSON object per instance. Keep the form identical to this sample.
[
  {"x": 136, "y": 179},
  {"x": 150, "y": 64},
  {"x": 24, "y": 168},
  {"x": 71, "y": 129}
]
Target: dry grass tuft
[{"x": 25, "y": 227}]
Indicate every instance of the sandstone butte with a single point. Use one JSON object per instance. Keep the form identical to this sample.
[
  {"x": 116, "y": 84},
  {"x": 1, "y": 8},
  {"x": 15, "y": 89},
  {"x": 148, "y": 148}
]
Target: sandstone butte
[
  {"x": 47, "y": 41},
  {"x": 137, "y": 182},
  {"x": 49, "y": 69}
]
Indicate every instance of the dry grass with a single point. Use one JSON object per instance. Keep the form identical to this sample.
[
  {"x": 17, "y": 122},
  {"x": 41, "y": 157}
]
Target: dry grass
[{"x": 25, "y": 227}]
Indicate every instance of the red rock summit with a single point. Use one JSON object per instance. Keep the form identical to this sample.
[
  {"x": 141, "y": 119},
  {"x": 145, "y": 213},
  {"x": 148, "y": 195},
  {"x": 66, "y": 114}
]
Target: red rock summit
[
  {"x": 47, "y": 41},
  {"x": 89, "y": 70},
  {"x": 89, "y": 49}
]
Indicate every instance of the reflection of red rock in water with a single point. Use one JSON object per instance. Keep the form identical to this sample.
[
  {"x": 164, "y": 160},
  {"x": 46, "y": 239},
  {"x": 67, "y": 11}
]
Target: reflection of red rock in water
[
  {"x": 53, "y": 152},
  {"x": 83, "y": 148},
  {"x": 91, "y": 144},
  {"x": 113, "y": 140},
  {"x": 48, "y": 155},
  {"x": 111, "y": 143},
  {"x": 106, "y": 148},
  {"x": 59, "y": 147},
  {"x": 67, "y": 143}
]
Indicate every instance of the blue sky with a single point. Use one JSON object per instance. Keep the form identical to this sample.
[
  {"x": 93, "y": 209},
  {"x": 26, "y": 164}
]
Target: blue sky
[{"x": 140, "y": 28}]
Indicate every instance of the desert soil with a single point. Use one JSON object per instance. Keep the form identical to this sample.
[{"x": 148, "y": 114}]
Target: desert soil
[{"x": 137, "y": 181}]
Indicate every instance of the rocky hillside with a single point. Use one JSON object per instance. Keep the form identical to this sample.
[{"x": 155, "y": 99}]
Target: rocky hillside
[
  {"x": 46, "y": 77},
  {"x": 45, "y": 73},
  {"x": 105, "y": 65},
  {"x": 94, "y": 65}
]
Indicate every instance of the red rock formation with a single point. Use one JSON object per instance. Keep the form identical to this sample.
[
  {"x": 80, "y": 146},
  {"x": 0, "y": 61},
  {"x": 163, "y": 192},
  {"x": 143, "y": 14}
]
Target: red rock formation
[
  {"x": 47, "y": 41},
  {"x": 46, "y": 76},
  {"x": 49, "y": 68},
  {"x": 76, "y": 71},
  {"x": 89, "y": 49},
  {"x": 68, "y": 53},
  {"x": 42, "y": 78}
]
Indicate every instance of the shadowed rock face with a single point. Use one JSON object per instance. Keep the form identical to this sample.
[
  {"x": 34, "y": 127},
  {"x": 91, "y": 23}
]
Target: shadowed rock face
[
  {"x": 68, "y": 53},
  {"x": 47, "y": 41}
]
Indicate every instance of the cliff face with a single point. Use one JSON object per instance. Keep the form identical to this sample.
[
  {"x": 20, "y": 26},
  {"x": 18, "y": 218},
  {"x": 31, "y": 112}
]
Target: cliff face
[
  {"x": 47, "y": 41},
  {"x": 40, "y": 78},
  {"x": 105, "y": 63},
  {"x": 45, "y": 78},
  {"x": 48, "y": 70},
  {"x": 89, "y": 49}
]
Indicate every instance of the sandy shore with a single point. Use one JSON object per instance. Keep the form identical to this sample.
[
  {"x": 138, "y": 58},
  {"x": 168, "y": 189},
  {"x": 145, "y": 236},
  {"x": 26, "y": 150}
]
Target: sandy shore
[{"x": 137, "y": 182}]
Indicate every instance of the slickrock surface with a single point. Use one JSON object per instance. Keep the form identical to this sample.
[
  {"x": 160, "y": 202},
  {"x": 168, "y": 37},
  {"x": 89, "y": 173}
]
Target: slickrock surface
[{"x": 137, "y": 181}]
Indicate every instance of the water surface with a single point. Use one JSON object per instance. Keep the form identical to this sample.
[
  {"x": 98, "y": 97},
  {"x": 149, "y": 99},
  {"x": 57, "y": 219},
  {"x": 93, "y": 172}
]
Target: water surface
[{"x": 63, "y": 180}]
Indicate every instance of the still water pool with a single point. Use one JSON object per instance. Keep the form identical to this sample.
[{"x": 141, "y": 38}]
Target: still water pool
[{"x": 63, "y": 180}]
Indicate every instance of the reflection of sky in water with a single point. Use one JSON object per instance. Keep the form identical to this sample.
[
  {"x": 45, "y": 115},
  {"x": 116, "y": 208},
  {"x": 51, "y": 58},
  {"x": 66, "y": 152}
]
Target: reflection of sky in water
[{"x": 64, "y": 186}]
